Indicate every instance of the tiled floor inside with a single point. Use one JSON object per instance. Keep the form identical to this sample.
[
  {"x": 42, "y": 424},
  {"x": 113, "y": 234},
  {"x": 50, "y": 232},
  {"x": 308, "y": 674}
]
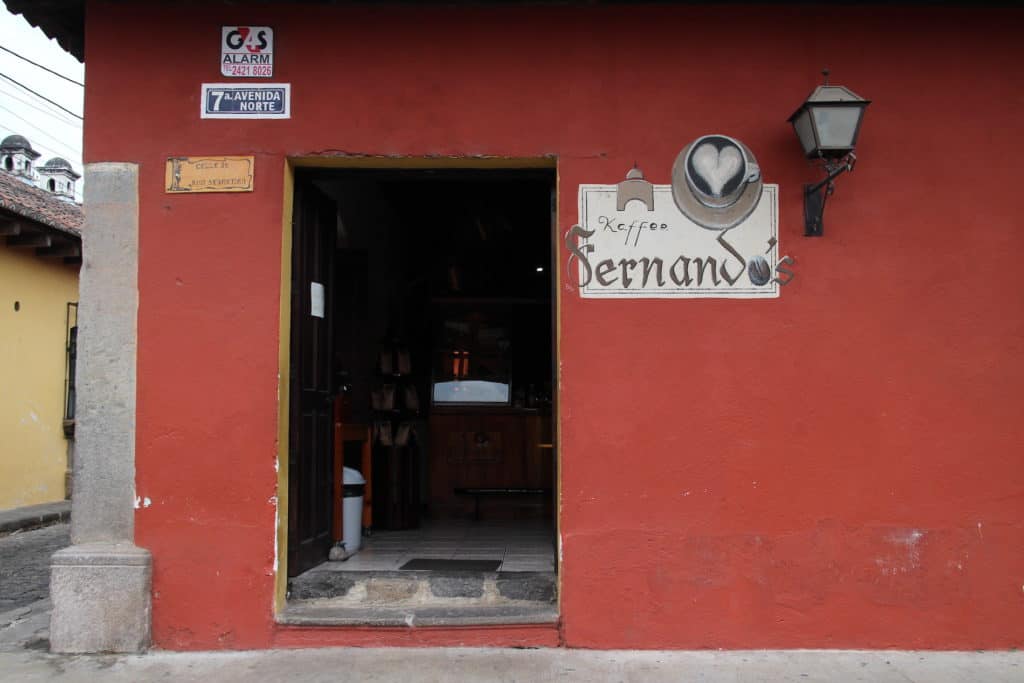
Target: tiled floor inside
[{"x": 521, "y": 546}]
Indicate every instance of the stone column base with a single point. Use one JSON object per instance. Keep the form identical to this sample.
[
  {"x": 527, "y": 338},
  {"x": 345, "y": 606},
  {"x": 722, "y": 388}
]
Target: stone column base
[{"x": 101, "y": 595}]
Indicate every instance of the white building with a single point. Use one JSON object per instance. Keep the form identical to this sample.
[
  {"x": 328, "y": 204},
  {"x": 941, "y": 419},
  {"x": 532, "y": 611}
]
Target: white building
[{"x": 56, "y": 175}]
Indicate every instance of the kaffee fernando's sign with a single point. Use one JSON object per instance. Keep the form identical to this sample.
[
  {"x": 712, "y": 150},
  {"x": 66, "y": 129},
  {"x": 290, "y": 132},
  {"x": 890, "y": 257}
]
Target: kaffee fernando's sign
[{"x": 712, "y": 233}]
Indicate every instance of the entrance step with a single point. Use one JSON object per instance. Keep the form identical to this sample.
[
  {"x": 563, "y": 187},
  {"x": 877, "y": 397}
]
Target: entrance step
[
  {"x": 396, "y": 598},
  {"x": 310, "y": 614}
]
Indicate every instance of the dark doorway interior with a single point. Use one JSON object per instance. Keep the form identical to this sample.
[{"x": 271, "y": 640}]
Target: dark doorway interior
[{"x": 422, "y": 355}]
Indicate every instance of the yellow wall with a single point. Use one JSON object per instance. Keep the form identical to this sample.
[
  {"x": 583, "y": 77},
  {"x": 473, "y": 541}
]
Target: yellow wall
[{"x": 33, "y": 451}]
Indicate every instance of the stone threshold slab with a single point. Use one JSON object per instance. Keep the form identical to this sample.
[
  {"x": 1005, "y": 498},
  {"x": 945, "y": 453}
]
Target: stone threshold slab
[
  {"x": 469, "y": 615},
  {"x": 421, "y": 588}
]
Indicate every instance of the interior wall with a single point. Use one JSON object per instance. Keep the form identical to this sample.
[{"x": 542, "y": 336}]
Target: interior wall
[
  {"x": 367, "y": 224},
  {"x": 835, "y": 468},
  {"x": 371, "y": 318}
]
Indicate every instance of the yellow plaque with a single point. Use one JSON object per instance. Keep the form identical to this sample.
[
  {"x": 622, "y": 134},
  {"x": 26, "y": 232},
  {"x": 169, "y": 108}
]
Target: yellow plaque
[{"x": 209, "y": 174}]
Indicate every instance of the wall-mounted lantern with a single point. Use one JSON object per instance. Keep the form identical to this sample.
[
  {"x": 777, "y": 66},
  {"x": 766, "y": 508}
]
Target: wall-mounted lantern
[{"x": 827, "y": 125}]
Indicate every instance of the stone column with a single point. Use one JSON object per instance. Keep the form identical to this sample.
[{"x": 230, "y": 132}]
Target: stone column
[{"x": 101, "y": 584}]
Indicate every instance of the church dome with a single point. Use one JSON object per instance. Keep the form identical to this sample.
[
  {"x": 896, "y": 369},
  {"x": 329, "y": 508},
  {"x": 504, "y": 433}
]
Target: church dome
[
  {"x": 57, "y": 163},
  {"x": 13, "y": 143}
]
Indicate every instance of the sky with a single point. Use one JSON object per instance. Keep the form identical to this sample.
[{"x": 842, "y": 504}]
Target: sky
[{"x": 51, "y": 131}]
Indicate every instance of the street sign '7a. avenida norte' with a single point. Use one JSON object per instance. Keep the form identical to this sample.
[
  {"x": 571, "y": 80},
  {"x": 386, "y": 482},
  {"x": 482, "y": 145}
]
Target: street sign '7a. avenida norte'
[{"x": 235, "y": 101}]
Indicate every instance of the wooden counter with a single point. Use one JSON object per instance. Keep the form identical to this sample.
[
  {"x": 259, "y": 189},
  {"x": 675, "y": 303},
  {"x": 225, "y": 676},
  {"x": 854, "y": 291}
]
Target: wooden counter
[{"x": 478, "y": 448}]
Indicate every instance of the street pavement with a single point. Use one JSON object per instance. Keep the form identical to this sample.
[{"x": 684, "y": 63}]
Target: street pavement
[
  {"x": 24, "y": 656},
  {"x": 25, "y": 564},
  {"x": 411, "y": 665},
  {"x": 25, "y": 585}
]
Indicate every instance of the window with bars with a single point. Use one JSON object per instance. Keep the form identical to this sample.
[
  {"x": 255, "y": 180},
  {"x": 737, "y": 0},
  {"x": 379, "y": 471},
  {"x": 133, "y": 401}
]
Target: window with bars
[{"x": 70, "y": 362}]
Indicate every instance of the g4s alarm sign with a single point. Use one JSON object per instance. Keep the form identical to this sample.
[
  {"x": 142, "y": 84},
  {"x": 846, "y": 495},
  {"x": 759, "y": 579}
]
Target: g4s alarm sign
[{"x": 247, "y": 51}]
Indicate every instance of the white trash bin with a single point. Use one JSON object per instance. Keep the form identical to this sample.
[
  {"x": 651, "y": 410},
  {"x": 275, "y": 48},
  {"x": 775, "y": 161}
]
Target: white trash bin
[{"x": 352, "y": 509}]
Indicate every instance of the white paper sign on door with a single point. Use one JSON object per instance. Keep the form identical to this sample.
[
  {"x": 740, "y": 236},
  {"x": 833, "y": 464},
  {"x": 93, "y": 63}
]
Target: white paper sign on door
[{"x": 316, "y": 299}]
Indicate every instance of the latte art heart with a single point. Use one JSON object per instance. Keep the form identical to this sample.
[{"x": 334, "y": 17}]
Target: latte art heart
[{"x": 717, "y": 167}]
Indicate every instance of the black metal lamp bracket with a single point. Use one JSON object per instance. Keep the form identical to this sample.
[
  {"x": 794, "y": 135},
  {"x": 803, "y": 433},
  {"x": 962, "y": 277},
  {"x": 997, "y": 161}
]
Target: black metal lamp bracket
[{"x": 815, "y": 195}]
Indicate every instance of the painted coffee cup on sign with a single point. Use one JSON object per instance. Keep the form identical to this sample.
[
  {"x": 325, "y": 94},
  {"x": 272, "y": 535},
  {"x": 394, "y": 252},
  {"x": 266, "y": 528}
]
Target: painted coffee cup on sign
[
  {"x": 716, "y": 182},
  {"x": 718, "y": 171}
]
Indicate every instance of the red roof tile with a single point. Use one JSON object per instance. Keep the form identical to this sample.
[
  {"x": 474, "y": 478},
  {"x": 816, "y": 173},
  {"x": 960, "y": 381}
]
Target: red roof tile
[{"x": 18, "y": 197}]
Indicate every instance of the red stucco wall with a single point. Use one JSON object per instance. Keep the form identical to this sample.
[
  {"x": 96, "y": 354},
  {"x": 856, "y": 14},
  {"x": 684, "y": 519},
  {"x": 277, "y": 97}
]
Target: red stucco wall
[{"x": 840, "y": 467}]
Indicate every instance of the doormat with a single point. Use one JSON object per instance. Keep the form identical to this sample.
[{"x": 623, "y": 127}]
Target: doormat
[{"x": 453, "y": 565}]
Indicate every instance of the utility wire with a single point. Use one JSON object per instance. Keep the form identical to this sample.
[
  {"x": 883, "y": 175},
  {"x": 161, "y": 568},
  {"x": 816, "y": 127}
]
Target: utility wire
[
  {"x": 55, "y": 115},
  {"x": 42, "y": 97},
  {"x": 74, "y": 153},
  {"x": 44, "y": 68}
]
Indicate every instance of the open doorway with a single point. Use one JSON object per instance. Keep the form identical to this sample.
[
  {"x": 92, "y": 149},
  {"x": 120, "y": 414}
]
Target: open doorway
[{"x": 422, "y": 363}]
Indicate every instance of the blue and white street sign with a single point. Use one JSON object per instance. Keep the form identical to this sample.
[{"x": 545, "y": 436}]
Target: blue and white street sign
[{"x": 235, "y": 101}]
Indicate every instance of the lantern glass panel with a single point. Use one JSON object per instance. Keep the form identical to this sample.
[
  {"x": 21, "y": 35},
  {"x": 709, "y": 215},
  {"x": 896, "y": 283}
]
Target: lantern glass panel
[
  {"x": 802, "y": 126},
  {"x": 836, "y": 125}
]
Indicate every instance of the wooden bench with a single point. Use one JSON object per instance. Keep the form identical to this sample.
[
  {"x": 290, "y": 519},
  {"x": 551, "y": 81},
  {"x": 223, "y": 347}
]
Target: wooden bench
[{"x": 477, "y": 493}]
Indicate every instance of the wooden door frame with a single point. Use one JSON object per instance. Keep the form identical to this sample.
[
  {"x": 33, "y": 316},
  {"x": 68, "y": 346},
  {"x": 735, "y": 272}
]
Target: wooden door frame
[{"x": 291, "y": 164}]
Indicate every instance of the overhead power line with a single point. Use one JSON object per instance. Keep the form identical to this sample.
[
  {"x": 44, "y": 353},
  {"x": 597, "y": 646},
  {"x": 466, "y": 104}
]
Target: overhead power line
[
  {"x": 42, "y": 97},
  {"x": 56, "y": 146},
  {"x": 57, "y": 116},
  {"x": 44, "y": 68}
]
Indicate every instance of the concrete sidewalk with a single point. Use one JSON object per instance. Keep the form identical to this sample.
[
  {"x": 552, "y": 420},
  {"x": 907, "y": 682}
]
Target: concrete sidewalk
[
  {"x": 463, "y": 664},
  {"x": 33, "y": 516}
]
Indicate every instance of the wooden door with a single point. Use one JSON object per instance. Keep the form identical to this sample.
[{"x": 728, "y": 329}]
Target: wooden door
[
  {"x": 554, "y": 426},
  {"x": 310, "y": 454}
]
